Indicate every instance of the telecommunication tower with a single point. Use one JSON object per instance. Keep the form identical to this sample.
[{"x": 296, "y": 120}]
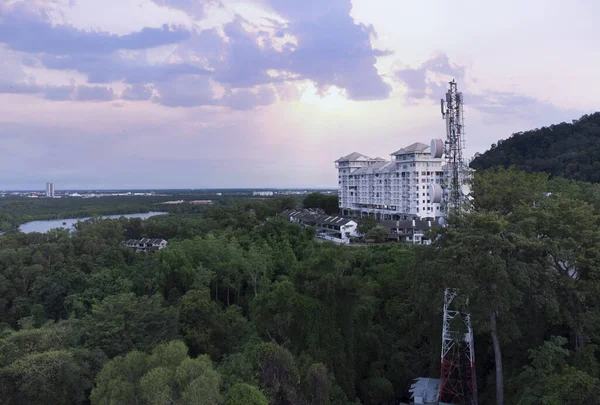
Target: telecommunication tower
[
  {"x": 455, "y": 187},
  {"x": 457, "y": 380}
]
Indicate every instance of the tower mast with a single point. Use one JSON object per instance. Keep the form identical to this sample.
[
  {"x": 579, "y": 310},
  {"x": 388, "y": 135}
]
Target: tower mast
[
  {"x": 457, "y": 380},
  {"x": 454, "y": 172}
]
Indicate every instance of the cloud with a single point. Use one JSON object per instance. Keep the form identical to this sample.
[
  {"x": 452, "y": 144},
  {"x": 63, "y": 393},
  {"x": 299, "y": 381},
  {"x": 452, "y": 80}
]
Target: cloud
[
  {"x": 57, "y": 93},
  {"x": 94, "y": 93},
  {"x": 195, "y": 8},
  {"x": 429, "y": 81},
  {"x": 112, "y": 68},
  {"x": 332, "y": 49},
  {"x": 425, "y": 81},
  {"x": 185, "y": 91},
  {"x": 23, "y": 31},
  {"x": 328, "y": 48},
  {"x": 319, "y": 42},
  {"x": 245, "y": 99},
  {"x": 309, "y": 9},
  {"x": 137, "y": 92}
]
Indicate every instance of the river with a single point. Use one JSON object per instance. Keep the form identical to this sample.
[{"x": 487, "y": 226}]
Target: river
[{"x": 69, "y": 223}]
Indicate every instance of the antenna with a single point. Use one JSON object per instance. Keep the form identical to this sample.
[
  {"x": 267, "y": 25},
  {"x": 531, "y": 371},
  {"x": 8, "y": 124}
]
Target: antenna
[{"x": 454, "y": 171}]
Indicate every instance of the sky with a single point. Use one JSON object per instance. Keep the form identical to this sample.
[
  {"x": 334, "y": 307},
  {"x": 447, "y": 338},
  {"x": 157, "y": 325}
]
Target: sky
[{"x": 269, "y": 93}]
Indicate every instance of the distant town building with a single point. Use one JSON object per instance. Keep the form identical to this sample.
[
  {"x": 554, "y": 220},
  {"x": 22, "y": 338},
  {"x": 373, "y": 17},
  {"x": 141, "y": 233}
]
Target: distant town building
[
  {"x": 193, "y": 202},
  {"x": 173, "y": 202},
  {"x": 406, "y": 187},
  {"x": 49, "y": 189},
  {"x": 263, "y": 193},
  {"x": 145, "y": 245}
]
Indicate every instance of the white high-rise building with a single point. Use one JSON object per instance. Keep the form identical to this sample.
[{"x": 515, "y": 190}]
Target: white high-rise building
[
  {"x": 49, "y": 189},
  {"x": 405, "y": 187}
]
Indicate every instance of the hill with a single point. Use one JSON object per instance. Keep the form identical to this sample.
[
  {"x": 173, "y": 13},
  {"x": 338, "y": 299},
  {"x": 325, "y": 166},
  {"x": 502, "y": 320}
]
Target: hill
[{"x": 564, "y": 150}]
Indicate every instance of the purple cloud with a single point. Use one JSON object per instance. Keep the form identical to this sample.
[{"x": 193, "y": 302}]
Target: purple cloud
[
  {"x": 57, "y": 93},
  {"x": 332, "y": 50},
  {"x": 244, "y": 99},
  {"x": 420, "y": 85},
  {"x": 195, "y": 8},
  {"x": 111, "y": 68},
  {"x": 137, "y": 92},
  {"x": 23, "y": 31},
  {"x": 94, "y": 93},
  {"x": 416, "y": 80},
  {"x": 185, "y": 91}
]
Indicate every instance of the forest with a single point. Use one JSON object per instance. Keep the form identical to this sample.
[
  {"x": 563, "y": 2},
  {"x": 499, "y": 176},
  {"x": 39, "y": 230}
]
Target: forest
[
  {"x": 244, "y": 308},
  {"x": 565, "y": 150},
  {"x": 15, "y": 211}
]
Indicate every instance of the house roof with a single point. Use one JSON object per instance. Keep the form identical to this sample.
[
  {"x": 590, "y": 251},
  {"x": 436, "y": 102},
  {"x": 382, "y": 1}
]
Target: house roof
[
  {"x": 317, "y": 218},
  {"x": 143, "y": 241},
  {"x": 418, "y": 147},
  {"x": 378, "y": 167},
  {"x": 353, "y": 157}
]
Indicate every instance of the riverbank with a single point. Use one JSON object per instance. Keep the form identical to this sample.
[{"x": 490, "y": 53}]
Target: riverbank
[{"x": 69, "y": 223}]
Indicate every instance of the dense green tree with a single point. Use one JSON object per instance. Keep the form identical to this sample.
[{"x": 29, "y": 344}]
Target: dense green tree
[
  {"x": 244, "y": 394},
  {"x": 328, "y": 203},
  {"x": 365, "y": 225},
  {"x": 564, "y": 150},
  {"x": 378, "y": 234},
  {"x": 304, "y": 322},
  {"x": 121, "y": 323},
  {"x": 167, "y": 375}
]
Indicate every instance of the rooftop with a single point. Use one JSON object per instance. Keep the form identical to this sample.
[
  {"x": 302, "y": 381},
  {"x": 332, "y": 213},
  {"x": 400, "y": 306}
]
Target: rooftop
[
  {"x": 143, "y": 241},
  {"x": 317, "y": 217},
  {"x": 355, "y": 156},
  {"x": 417, "y": 147}
]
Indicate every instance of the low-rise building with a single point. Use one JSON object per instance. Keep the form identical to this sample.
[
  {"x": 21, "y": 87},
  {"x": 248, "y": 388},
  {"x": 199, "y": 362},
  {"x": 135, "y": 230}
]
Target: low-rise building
[
  {"x": 329, "y": 227},
  {"x": 145, "y": 245},
  {"x": 409, "y": 231},
  {"x": 343, "y": 229}
]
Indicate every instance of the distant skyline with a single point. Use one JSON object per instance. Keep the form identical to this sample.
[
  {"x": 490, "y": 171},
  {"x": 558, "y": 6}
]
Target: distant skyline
[{"x": 192, "y": 94}]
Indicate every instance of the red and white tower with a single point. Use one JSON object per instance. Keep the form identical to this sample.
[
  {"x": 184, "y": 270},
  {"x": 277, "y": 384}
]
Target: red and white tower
[{"x": 457, "y": 381}]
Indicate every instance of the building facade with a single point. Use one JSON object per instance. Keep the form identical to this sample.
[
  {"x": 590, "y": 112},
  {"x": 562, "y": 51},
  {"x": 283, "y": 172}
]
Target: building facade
[
  {"x": 49, "y": 189},
  {"x": 408, "y": 186}
]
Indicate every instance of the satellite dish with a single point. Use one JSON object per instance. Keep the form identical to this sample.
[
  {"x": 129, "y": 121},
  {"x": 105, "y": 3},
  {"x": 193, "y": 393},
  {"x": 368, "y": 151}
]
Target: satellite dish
[
  {"x": 437, "y": 148},
  {"x": 442, "y": 221},
  {"x": 435, "y": 193},
  {"x": 465, "y": 189}
]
